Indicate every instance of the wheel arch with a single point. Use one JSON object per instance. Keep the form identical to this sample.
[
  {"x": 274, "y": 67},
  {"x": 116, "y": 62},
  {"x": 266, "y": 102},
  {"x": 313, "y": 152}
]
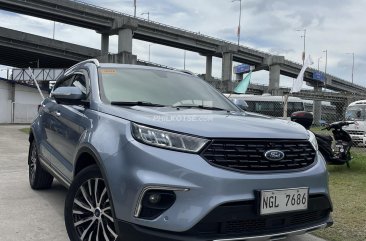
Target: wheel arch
[
  {"x": 87, "y": 156},
  {"x": 88, "y": 151}
]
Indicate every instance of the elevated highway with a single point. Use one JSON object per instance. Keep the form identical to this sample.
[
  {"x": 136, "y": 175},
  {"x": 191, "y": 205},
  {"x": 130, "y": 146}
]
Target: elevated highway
[
  {"x": 23, "y": 50},
  {"x": 19, "y": 49},
  {"x": 109, "y": 22}
]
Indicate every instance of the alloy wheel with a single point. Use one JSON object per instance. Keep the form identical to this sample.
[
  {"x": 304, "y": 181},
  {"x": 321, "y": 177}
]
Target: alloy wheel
[{"x": 92, "y": 212}]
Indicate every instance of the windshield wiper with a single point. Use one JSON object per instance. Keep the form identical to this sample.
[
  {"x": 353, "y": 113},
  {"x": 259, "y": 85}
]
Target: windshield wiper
[
  {"x": 201, "y": 107},
  {"x": 133, "y": 103}
]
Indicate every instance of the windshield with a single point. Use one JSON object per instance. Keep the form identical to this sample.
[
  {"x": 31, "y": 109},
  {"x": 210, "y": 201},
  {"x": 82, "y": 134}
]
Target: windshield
[
  {"x": 355, "y": 113},
  {"x": 159, "y": 87}
]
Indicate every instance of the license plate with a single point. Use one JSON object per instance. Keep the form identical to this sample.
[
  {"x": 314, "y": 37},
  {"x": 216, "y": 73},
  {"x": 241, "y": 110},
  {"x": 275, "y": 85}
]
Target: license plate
[{"x": 284, "y": 200}]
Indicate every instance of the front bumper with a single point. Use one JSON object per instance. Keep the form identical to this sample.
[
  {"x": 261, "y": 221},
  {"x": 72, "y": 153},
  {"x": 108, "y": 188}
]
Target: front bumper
[
  {"x": 209, "y": 187},
  {"x": 132, "y": 232},
  {"x": 358, "y": 139}
]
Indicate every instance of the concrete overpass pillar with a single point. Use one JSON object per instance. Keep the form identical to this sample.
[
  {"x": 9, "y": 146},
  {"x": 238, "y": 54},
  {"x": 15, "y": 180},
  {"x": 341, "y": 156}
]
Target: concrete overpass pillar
[
  {"x": 274, "y": 63},
  {"x": 105, "y": 44},
  {"x": 208, "y": 67},
  {"x": 227, "y": 66},
  {"x": 274, "y": 79},
  {"x": 227, "y": 52},
  {"x": 125, "y": 40},
  {"x": 123, "y": 27},
  {"x": 317, "y": 107}
]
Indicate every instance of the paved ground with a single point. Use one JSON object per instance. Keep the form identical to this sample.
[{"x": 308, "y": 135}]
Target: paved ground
[{"x": 34, "y": 215}]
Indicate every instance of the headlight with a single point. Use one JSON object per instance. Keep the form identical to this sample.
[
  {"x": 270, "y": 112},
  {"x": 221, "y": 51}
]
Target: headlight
[
  {"x": 312, "y": 140},
  {"x": 166, "y": 139}
]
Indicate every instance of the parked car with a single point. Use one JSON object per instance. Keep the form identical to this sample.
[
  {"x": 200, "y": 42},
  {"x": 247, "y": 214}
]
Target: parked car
[{"x": 150, "y": 154}]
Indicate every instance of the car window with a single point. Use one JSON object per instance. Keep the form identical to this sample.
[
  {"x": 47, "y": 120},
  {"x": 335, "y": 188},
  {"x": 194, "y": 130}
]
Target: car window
[
  {"x": 264, "y": 106},
  {"x": 77, "y": 80},
  {"x": 80, "y": 82},
  {"x": 64, "y": 83}
]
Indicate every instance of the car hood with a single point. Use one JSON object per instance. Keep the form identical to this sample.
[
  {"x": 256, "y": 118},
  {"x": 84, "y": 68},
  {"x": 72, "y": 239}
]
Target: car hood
[{"x": 207, "y": 123}]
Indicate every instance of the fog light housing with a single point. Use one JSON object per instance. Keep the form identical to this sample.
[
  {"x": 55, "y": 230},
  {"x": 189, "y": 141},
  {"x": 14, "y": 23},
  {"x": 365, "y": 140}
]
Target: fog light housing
[
  {"x": 154, "y": 198},
  {"x": 155, "y": 202}
]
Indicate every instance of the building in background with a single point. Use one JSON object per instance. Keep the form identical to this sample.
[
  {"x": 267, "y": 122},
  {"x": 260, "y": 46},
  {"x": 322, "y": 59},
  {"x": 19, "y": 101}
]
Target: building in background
[{"x": 18, "y": 102}]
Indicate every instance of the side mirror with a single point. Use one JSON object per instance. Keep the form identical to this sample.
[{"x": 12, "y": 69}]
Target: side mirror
[
  {"x": 242, "y": 104},
  {"x": 68, "y": 95},
  {"x": 303, "y": 118}
]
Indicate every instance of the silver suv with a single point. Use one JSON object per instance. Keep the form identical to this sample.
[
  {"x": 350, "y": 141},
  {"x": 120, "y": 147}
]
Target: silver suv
[{"x": 150, "y": 154}]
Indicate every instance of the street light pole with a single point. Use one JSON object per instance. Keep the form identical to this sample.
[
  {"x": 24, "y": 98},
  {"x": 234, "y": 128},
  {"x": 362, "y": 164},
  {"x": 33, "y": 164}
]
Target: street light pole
[
  {"x": 353, "y": 63},
  {"x": 325, "y": 67},
  {"x": 184, "y": 63},
  {"x": 319, "y": 62},
  {"x": 148, "y": 15},
  {"x": 239, "y": 26},
  {"x": 326, "y": 61},
  {"x": 134, "y": 5},
  {"x": 303, "y": 36},
  {"x": 149, "y": 51}
]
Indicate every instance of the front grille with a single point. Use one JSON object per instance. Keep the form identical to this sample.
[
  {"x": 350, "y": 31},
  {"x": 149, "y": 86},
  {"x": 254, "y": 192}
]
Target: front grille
[
  {"x": 357, "y": 133},
  {"x": 242, "y": 218},
  {"x": 244, "y": 226},
  {"x": 248, "y": 155},
  {"x": 289, "y": 220}
]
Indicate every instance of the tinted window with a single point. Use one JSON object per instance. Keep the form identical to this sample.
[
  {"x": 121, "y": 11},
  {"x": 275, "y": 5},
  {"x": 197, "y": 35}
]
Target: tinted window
[
  {"x": 64, "y": 83},
  {"x": 79, "y": 81}
]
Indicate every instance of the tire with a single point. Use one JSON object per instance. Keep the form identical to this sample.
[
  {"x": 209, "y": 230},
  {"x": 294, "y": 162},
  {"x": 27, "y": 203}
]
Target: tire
[
  {"x": 38, "y": 177},
  {"x": 88, "y": 209}
]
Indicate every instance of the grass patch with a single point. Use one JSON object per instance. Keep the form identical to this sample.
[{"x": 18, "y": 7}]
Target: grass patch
[
  {"x": 25, "y": 130},
  {"x": 318, "y": 130},
  {"x": 348, "y": 193}
]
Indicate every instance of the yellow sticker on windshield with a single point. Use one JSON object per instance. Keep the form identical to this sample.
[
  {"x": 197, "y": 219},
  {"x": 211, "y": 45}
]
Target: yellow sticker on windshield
[{"x": 108, "y": 71}]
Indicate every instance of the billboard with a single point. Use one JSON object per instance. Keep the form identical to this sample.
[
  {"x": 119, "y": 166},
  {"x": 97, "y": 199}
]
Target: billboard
[
  {"x": 320, "y": 76},
  {"x": 242, "y": 68}
]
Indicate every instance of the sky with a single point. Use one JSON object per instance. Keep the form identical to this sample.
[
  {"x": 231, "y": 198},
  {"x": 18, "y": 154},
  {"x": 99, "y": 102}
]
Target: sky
[{"x": 267, "y": 25}]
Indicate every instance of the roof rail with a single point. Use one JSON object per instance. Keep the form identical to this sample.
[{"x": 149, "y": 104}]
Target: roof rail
[
  {"x": 93, "y": 61},
  {"x": 186, "y": 72}
]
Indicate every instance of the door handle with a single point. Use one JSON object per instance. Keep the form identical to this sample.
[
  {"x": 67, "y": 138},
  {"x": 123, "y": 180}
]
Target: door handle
[{"x": 58, "y": 114}]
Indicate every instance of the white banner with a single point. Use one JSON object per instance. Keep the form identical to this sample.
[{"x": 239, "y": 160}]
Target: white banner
[{"x": 296, "y": 87}]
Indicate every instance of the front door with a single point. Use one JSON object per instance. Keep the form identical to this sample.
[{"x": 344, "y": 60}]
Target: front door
[{"x": 72, "y": 123}]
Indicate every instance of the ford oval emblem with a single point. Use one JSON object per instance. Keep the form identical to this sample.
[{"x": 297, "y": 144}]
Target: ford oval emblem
[{"x": 274, "y": 155}]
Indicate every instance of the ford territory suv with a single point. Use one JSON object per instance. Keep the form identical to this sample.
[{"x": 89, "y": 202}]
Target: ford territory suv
[{"x": 150, "y": 154}]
